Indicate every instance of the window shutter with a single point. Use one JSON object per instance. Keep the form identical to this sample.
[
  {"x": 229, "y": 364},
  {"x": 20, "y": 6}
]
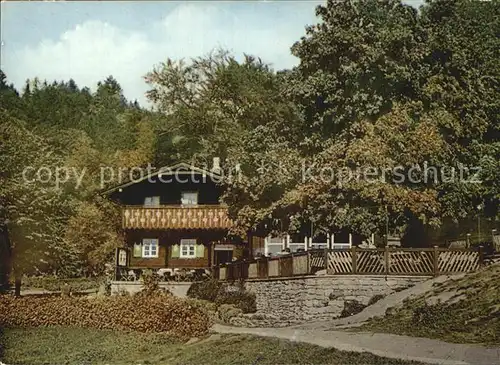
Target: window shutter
[
  {"x": 200, "y": 251},
  {"x": 137, "y": 250},
  {"x": 175, "y": 251}
]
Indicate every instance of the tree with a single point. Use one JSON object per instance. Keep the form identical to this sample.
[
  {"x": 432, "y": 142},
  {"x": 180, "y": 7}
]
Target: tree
[
  {"x": 33, "y": 213},
  {"x": 94, "y": 231},
  {"x": 211, "y": 104},
  {"x": 380, "y": 86},
  {"x": 355, "y": 64}
]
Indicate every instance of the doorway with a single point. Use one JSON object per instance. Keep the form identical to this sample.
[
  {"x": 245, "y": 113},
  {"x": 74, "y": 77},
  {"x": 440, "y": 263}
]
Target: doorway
[{"x": 223, "y": 256}]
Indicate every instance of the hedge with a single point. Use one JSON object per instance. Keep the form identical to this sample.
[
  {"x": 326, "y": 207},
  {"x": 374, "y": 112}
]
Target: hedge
[
  {"x": 218, "y": 293},
  {"x": 158, "y": 313},
  {"x": 52, "y": 283}
]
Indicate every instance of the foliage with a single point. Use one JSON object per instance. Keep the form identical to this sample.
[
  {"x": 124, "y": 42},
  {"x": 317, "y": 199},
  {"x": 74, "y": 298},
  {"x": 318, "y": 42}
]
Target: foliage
[
  {"x": 161, "y": 313},
  {"x": 382, "y": 87},
  {"x": 241, "y": 299},
  {"x": 94, "y": 231},
  {"x": 90, "y": 346},
  {"x": 379, "y": 86},
  {"x": 150, "y": 282},
  {"x": 227, "y": 311},
  {"x": 205, "y": 290},
  {"x": 61, "y": 126},
  {"x": 375, "y": 299},
  {"x": 222, "y": 294},
  {"x": 32, "y": 213},
  {"x": 351, "y": 307},
  {"x": 212, "y": 104},
  {"x": 53, "y": 283}
]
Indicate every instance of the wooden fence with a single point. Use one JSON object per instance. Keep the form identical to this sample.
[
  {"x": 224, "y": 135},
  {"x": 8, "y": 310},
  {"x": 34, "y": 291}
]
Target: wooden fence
[{"x": 389, "y": 261}]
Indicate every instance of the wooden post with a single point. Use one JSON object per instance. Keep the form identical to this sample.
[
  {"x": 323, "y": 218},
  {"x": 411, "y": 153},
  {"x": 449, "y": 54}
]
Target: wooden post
[
  {"x": 305, "y": 243},
  {"x": 350, "y": 239},
  {"x": 287, "y": 242},
  {"x": 326, "y": 260},
  {"x": 212, "y": 253},
  {"x": 436, "y": 261},
  {"x": 116, "y": 263},
  {"x": 267, "y": 267},
  {"x": 354, "y": 260},
  {"x": 387, "y": 260},
  {"x": 481, "y": 256}
]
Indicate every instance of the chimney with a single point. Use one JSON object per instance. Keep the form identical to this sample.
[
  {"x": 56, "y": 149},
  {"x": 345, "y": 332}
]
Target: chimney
[{"x": 216, "y": 165}]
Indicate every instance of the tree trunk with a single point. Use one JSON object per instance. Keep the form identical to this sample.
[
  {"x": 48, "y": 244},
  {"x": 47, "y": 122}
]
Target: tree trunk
[{"x": 17, "y": 286}]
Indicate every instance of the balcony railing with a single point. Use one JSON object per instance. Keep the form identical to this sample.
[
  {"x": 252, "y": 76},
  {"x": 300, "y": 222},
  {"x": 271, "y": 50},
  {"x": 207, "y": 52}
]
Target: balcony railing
[{"x": 176, "y": 217}]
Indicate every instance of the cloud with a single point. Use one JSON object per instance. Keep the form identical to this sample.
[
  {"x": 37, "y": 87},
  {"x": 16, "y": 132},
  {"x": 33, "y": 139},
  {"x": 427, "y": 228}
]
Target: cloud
[{"x": 94, "y": 49}]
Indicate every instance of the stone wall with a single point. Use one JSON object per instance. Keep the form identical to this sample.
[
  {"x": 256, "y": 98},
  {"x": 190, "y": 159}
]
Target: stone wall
[
  {"x": 285, "y": 301},
  {"x": 178, "y": 289}
]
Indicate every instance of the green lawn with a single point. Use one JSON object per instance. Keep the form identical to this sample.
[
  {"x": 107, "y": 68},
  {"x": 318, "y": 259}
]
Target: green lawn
[{"x": 62, "y": 345}]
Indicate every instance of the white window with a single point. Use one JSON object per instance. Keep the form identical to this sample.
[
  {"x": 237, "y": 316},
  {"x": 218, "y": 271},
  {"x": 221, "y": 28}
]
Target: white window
[
  {"x": 150, "y": 247},
  {"x": 188, "y": 248},
  {"x": 152, "y": 201},
  {"x": 189, "y": 198},
  {"x": 274, "y": 245}
]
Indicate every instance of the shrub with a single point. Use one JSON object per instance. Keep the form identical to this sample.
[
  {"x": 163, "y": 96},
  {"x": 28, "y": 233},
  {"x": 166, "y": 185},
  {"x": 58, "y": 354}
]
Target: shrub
[
  {"x": 240, "y": 299},
  {"x": 205, "y": 290},
  {"x": 53, "y": 283},
  {"x": 217, "y": 292},
  {"x": 351, "y": 307},
  {"x": 228, "y": 311},
  {"x": 375, "y": 299},
  {"x": 150, "y": 281},
  {"x": 157, "y": 313}
]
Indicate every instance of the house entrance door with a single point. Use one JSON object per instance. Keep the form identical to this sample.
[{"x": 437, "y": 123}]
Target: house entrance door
[{"x": 223, "y": 254}]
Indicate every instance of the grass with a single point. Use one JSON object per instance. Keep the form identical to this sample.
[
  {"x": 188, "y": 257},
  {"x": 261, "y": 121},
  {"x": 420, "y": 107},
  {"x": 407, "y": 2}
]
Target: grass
[
  {"x": 466, "y": 310},
  {"x": 65, "y": 345}
]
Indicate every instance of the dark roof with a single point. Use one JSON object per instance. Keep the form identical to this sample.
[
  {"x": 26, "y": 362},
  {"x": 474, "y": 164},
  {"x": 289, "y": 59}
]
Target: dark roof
[{"x": 178, "y": 168}]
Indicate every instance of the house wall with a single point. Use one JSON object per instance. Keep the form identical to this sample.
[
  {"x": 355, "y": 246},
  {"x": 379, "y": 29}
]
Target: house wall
[
  {"x": 190, "y": 263},
  {"x": 153, "y": 262},
  {"x": 168, "y": 238},
  {"x": 169, "y": 192},
  {"x": 256, "y": 245}
]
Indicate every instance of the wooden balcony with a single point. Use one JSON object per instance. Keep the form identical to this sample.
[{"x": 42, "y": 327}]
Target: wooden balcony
[{"x": 176, "y": 217}]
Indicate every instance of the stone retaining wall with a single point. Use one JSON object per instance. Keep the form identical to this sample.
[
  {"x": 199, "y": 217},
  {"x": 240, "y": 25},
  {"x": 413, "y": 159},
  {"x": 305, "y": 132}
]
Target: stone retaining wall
[
  {"x": 178, "y": 289},
  {"x": 286, "y": 301}
]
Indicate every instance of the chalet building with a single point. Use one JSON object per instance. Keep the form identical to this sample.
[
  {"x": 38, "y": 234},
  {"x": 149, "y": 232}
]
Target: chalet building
[{"x": 173, "y": 219}]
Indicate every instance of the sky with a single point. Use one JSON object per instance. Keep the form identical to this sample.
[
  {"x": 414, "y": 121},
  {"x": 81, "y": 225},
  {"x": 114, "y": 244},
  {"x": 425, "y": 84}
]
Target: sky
[{"x": 88, "y": 41}]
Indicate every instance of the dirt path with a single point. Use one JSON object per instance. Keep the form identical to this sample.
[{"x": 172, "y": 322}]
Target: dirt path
[{"x": 387, "y": 345}]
